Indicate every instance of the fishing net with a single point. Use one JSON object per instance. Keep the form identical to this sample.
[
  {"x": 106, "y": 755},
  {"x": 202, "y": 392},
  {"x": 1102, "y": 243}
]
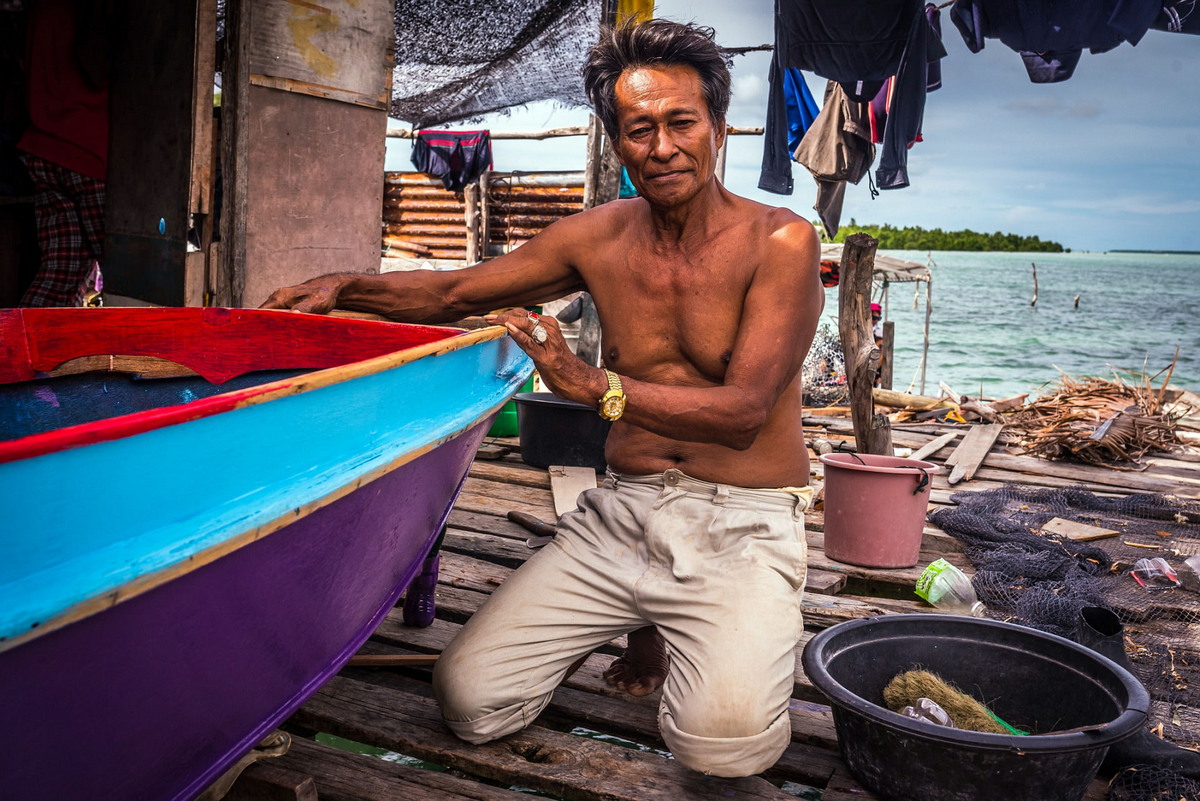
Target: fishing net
[
  {"x": 1028, "y": 576},
  {"x": 824, "y": 370},
  {"x": 1143, "y": 783},
  {"x": 457, "y": 61}
]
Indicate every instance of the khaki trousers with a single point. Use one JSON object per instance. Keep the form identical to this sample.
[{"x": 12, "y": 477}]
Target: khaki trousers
[{"x": 719, "y": 570}]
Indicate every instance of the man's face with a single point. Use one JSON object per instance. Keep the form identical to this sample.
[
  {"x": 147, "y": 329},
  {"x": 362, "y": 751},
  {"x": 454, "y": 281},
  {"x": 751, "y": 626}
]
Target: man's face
[{"x": 667, "y": 141}]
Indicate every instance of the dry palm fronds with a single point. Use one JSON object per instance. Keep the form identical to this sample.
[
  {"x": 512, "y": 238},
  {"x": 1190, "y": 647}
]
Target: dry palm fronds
[{"x": 1095, "y": 420}]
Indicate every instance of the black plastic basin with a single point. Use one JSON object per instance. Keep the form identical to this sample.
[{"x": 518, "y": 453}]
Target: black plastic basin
[
  {"x": 558, "y": 431},
  {"x": 1035, "y": 681}
]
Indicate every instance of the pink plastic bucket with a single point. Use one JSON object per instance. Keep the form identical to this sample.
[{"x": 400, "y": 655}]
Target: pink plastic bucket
[{"x": 875, "y": 508}]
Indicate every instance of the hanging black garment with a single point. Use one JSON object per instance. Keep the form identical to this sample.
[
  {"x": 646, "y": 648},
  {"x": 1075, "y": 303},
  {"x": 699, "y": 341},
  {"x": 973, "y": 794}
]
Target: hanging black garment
[
  {"x": 1179, "y": 16},
  {"x": 1051, "y": 37},
  {"x": 456, "y": 157},
  {"x": 859, "y": 45}
]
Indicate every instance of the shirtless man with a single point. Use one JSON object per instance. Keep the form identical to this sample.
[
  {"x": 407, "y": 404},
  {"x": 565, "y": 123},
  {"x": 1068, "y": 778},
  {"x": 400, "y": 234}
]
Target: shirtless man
[{"x": 694, "y": 545}]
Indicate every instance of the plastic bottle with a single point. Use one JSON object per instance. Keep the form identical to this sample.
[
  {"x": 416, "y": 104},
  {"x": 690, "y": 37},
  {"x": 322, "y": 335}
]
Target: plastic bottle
[
  {"x": 948, "y": 588},
  {"x": 928, "y": 709}
]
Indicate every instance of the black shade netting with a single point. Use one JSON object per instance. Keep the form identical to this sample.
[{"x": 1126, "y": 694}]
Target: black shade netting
[
  {"x": 1042, "y": 580},
  {"x": 459, "y": 60}
]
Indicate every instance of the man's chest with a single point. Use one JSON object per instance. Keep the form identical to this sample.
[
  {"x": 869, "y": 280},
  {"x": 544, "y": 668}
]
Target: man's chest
[{"x": 664, "y": 316}]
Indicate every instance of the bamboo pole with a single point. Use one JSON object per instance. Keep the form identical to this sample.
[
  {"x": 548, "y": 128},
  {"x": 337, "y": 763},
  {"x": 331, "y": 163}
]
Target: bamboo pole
[
  {"x": 928, "y": 315},
  {"x": 552, "y": 133},
  {"x": 872, "y": 432}
]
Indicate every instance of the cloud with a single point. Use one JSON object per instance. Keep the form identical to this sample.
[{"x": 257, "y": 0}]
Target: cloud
[
  {"x": 1055, "y": 107},
  {"x": 1136, "y": 204}
]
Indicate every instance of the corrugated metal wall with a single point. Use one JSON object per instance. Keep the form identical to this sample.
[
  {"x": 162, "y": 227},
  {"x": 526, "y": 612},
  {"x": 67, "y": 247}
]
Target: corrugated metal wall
[{"x": 423, "y": 220}]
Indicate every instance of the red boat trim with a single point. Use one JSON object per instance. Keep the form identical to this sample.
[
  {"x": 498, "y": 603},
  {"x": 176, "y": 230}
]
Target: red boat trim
[{"x": 151, "y": 419}]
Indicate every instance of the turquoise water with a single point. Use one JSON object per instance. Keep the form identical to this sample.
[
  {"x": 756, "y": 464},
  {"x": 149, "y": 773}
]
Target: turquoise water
[{"x": 1134, "y": 310}]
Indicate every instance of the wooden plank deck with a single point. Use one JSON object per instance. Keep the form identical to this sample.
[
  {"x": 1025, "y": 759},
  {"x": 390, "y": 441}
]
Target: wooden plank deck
[{"x": 621, "y": 758}]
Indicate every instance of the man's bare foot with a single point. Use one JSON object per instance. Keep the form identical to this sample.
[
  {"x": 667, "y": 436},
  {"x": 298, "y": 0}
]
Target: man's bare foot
[{"x": 643, "y": 668}]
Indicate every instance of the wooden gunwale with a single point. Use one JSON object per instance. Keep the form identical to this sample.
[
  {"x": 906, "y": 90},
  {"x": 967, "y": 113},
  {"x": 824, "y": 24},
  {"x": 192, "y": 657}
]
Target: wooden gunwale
[
  {"x": 321, "y": 378},
  {"x": 139, "y": 422}
]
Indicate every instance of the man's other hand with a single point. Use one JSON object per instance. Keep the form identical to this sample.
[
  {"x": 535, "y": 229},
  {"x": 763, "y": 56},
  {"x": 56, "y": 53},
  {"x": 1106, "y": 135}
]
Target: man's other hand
[{"x": 318, "y": 296}]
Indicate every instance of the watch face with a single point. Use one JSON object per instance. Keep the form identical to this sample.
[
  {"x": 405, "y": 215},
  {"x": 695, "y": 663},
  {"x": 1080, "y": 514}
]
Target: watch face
[{"x": 613, "y": 407}]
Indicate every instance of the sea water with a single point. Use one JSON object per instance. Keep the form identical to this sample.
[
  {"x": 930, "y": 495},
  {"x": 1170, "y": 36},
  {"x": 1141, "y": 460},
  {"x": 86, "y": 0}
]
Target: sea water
[{"x": 1134, "y": 311}]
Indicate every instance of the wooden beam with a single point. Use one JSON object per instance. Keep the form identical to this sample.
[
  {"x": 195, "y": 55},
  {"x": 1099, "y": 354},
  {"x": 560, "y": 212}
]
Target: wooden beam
[
  {"x": 872, "y": 431},
  {"x": 235, "y": 80}
]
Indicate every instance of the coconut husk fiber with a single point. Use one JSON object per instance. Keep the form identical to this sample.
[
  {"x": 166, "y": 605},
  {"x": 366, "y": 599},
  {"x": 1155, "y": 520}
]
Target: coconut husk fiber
[
  {"x": 966, "y": 712},
  {"x": 1096, "y": 421}
]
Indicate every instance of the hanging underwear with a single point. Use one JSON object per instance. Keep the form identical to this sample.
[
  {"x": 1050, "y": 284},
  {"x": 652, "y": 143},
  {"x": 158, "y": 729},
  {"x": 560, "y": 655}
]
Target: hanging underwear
[{"x": 456, "y": 157}]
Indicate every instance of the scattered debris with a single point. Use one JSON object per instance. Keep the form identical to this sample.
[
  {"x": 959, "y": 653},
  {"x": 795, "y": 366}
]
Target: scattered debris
[{"x": 1095, "y": 420}]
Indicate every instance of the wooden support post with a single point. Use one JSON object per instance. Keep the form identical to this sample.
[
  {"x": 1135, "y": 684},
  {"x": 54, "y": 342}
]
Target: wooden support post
[
  {"x": 872, "y": 431},
  {"x": 601, "y": 184},
  {"x": 888, "y": 348},
  {"x": 588, "y": 346},
  {"x": 471, "y": 217},
  {"x": 602, "y": 175},
  {"x": 1035, "y": 288},
  {"x": 485, "y": 214}
]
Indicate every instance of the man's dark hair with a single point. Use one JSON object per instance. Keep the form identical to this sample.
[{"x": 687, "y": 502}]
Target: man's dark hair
[{"x": 654, "y": 43}]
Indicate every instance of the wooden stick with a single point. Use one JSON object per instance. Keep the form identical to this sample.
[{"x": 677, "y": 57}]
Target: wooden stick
[
  {"x": 392, "y": 660},
  {"x": 903, "y": 400},
  {"x": 933, "y": 447},
  {"x": 1035, "y": 288}
]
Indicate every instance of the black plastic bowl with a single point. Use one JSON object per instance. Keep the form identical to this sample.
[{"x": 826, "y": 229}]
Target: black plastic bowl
[
  {"x": 558, "y": 431},
  {"x": 1035, "y": 681}
]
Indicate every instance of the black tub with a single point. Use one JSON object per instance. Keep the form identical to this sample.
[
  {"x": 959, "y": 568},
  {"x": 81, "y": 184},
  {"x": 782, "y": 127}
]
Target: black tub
[
  {"x": 1035, "y": 681},
  {"x": 558, "y": 431}
]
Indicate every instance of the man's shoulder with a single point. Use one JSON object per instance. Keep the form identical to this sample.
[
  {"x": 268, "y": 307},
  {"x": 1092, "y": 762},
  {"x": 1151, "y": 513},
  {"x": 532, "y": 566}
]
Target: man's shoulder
[
  {"x": 774, "y": 219},
  {"x": 601, "y": 218},
  {"x": 789, "y": 232}
]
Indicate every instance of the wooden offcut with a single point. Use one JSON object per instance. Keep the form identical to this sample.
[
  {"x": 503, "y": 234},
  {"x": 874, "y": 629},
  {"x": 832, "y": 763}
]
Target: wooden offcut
[
  {"x": 934, "y": 446},
  {"x": 970, "y": 453},
  {"x": 1079, "y": 532},
  {"x": 566, "y": 483}
]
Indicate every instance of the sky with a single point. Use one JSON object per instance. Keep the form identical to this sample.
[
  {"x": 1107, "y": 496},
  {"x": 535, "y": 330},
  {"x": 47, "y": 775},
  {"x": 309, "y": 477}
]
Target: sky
[{"x": 1109, "y": 159}]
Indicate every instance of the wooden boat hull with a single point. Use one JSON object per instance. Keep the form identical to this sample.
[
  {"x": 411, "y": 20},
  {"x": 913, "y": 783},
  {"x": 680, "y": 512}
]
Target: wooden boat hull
[{"x": 210, "y": 575}]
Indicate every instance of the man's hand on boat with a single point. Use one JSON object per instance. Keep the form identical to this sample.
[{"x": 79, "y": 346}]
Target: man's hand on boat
[
  {"x": 316, "y": 296},
  {"x": 561, "y": 371}
]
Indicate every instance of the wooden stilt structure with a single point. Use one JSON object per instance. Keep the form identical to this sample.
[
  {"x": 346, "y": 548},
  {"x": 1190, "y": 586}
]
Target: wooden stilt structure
[{"x": 872, "y": 431}]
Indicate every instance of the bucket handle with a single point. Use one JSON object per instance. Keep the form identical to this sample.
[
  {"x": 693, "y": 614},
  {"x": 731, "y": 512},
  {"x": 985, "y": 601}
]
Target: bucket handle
[{"x": 921, "y": 482}]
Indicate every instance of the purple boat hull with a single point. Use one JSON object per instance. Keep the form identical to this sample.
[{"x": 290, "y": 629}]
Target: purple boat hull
[{"x": 144, "y": 700}]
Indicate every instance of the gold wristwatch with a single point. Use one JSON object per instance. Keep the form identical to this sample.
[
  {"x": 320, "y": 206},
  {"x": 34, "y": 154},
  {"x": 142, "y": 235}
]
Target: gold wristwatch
[{"x": 612, "y": 403}]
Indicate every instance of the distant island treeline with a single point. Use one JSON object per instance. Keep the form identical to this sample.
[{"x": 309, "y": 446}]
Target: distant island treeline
[{"x": 918, "y": 238}]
